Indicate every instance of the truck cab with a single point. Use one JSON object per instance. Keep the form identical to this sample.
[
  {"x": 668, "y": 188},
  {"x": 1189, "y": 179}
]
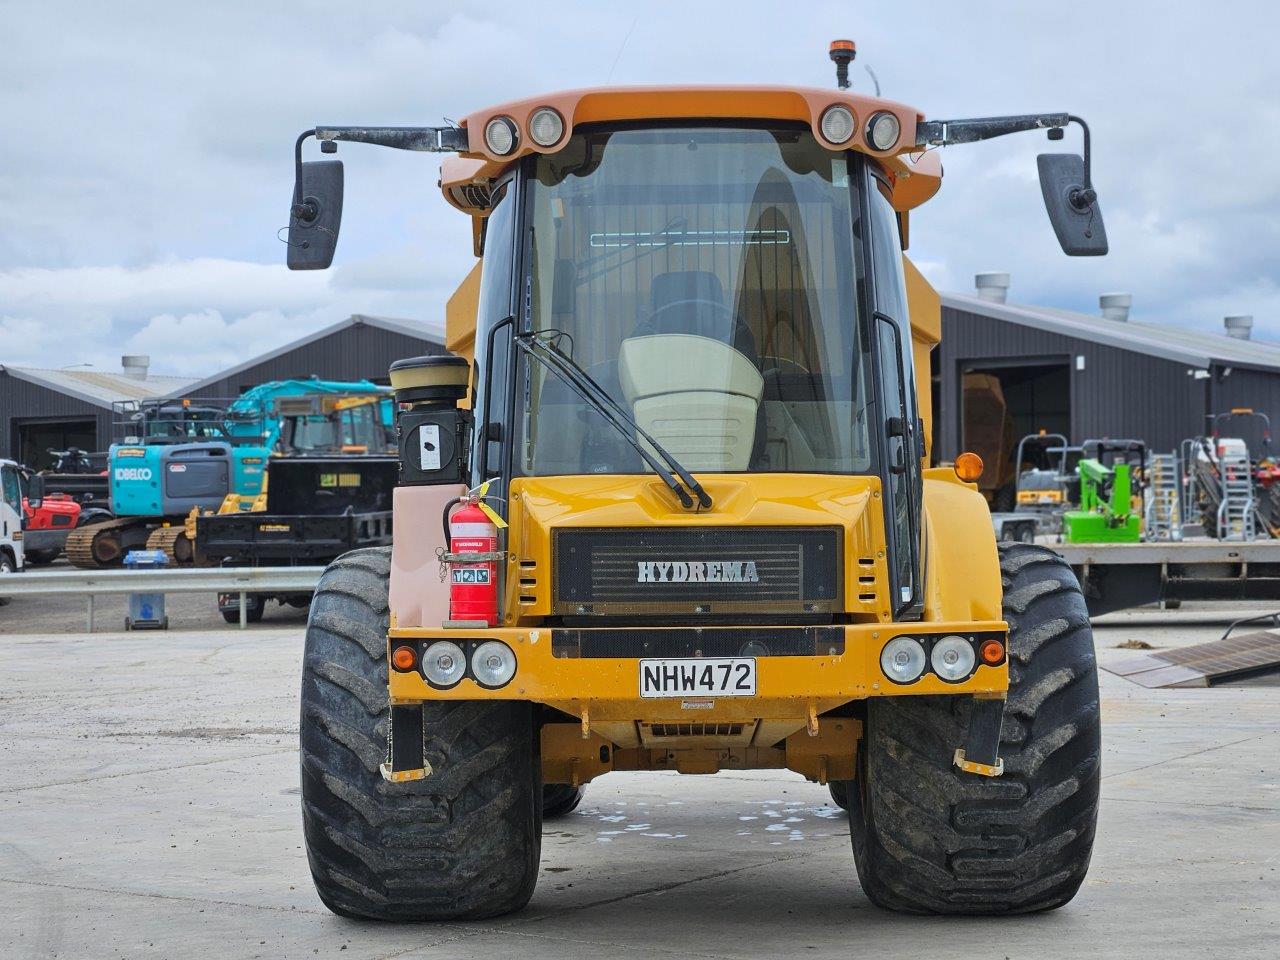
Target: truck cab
[{"x": 12, "y": 557}]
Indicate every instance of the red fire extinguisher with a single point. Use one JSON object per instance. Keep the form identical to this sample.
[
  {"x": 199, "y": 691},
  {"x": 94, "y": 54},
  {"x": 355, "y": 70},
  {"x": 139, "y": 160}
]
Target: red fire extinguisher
[{"x": 473, "y": 561}]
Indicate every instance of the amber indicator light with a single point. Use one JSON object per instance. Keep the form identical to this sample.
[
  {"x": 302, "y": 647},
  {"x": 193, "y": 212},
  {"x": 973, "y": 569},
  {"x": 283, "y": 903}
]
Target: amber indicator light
[
  {"x": 969, "y": 467},
  {"x": 992, "y": 652},
  {"x": 404, "y": 658}
]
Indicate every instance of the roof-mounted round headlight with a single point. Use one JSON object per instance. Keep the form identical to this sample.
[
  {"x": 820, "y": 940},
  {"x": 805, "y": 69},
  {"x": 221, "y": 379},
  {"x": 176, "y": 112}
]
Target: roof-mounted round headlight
[
  {"x": 546, "y": 127},
  {"x": 883, "y": 130},
  {"x": 501, "y": 136},
  {"x": 837, "y": 123}
]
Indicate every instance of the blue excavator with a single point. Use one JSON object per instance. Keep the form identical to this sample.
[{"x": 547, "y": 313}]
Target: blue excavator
[{"x": 176, "y": 456}]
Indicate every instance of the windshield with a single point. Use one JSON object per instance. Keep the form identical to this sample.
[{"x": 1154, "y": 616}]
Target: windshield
[
  {"x": 356, "y": 429},
  {"x": 705, "y": 277},
  {"x": 182, "y": 423}
]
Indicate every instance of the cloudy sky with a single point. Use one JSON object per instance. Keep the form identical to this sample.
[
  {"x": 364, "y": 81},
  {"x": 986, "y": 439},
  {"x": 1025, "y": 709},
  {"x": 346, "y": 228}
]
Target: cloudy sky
[{"x": 145, "y": 162}]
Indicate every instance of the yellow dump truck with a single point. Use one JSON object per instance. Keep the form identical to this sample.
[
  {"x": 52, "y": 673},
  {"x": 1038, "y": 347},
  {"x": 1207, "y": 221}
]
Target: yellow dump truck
[{"x": 684, "y": 381}]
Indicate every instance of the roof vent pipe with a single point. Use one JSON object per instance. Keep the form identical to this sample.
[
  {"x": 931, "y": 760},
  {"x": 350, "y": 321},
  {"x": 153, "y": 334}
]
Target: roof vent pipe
[
  {"x": 135, "y": 366},
  {"x": 1115, "y": 306},
  {"x": 1239, "y": 327},
  {"x": 992, "y": 286}
]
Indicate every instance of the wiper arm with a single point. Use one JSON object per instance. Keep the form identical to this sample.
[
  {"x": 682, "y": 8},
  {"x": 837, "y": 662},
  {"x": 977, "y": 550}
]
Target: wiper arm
[
  {"x": 616, "y": 416},
  {"x": 624, "y": 415}
]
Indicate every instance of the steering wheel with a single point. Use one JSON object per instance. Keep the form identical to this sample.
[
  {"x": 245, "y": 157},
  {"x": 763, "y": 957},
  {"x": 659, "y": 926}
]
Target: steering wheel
[{"x": 715, "y": 304}]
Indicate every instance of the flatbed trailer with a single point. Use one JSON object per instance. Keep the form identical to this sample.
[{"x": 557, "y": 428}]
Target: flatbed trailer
[
  {"x": 317, "y": 508},
  {"x": 272, "y": 540},
  {"x": 1116, "y": 576}
]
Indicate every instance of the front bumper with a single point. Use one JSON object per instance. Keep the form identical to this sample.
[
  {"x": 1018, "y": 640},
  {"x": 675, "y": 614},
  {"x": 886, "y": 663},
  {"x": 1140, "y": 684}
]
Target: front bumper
[
  {"x": 609, "y": 686},
  {"x": 45, "y": 539}
]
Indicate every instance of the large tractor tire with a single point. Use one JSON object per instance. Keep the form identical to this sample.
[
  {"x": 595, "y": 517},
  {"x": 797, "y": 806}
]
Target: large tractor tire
[
  {"x": 462, "y": 844},
  {"x": 930, "y": 839},
  {"x": 560, "y": 799}
]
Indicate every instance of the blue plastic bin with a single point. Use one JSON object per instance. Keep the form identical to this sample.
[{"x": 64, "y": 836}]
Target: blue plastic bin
[{"x": 146, "y": 610}]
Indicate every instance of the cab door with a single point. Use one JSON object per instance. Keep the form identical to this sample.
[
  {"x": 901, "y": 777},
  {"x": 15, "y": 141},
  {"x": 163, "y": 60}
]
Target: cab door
[
  {"x": 11, "y": 513},
  {"x": 900, "y": 418}
]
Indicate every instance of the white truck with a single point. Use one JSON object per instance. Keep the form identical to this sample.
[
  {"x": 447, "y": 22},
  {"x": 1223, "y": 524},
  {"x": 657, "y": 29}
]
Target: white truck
[{"x": 11, "y": 556}]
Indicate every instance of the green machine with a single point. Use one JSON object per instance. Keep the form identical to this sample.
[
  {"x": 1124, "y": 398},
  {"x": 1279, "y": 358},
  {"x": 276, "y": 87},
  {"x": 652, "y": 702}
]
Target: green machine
[{"x": 1110, "y": 472}]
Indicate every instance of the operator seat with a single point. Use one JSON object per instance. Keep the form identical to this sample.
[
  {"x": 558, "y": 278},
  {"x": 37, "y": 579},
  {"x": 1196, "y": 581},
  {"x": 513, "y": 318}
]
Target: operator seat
[{"x": 689, "y": 372}]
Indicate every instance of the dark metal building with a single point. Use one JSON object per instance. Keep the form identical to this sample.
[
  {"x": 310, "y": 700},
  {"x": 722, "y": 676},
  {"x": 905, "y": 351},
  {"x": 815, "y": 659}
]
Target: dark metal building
[
  {"x": 357, "y": 348},
  {"x": 43, "y": 409},
  {"x": 1095, "y": 376},
  {"x": 40, "y": 409}
]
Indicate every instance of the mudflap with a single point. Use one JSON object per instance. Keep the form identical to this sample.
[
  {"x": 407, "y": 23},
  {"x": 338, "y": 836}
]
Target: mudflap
[
  {"x": 980, "y": 753},
  {"x": 406, "y": 759}
]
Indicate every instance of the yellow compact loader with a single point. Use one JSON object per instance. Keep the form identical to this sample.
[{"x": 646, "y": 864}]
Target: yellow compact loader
[{"x": 683, "y": 380}]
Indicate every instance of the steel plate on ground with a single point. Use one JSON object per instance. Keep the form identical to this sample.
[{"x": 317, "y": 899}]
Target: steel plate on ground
[{"x": 1204, "y": 664}]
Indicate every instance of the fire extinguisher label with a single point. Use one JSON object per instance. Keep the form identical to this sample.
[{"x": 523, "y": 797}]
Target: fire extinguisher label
[{"x": 471, "y": 575}]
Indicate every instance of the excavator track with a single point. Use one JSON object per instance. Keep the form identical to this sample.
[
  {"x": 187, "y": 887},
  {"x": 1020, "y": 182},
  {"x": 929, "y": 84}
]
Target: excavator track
[
  {"x": 96, "y": 546},
  {"x": 175, "y": 543}
]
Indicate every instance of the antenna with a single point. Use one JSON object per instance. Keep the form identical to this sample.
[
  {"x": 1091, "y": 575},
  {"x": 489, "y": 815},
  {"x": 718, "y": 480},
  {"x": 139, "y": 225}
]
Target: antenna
[
  {"x": 842, "y": 53},
  {"x": 874, "y": 78}
]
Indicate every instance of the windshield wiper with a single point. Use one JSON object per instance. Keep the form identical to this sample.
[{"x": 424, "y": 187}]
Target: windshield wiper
[{"x": 613, "y": 413}]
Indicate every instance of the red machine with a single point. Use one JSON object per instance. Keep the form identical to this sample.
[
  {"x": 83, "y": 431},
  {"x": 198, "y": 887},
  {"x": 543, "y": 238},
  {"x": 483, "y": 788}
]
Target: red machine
[
  {"x": 46, "y": 523},
  {"x": 473, "y": 565}
]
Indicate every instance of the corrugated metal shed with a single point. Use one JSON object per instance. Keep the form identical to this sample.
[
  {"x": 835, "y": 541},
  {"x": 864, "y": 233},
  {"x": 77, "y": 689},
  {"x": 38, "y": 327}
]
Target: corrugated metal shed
[
  {"x": 355, "y": 348},
  {"x": 1126, "y": 379},
  {"x": 34, "y": 399},
  {"x": 99, "y": 388},
  {"x": 1192, "y": 347},
  {"x": 359, "y": 347}
]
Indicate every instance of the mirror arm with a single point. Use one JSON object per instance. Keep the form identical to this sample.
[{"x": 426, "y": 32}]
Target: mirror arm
[
  {"x": 298, "y": 208},
  {"x": 945, "y": 133},
  {"x": 1082, "y": 198},
  {"x": 426, "y": 139}
]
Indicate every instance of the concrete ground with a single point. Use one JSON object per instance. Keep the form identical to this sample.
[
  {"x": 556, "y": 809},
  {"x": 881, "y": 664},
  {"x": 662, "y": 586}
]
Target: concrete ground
[{"x": 134, "y": 823}]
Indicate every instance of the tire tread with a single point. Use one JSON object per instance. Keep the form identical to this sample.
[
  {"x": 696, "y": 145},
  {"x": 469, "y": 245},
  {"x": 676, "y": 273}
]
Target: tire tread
[
  {"x": 931, "y": 839},
  {"x": 463, "y": 843}
]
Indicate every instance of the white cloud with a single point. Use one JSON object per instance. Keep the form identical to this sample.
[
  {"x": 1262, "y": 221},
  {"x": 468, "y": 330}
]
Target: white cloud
[{"x": 146, "y": 167}]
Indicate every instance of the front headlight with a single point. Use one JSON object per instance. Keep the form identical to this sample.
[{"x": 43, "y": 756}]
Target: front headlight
[
  {"x": 444, "y": 663},
  {"x": 903, "y": 659},
  {"x": 952, "y": 658},
  {"x": 493, "y": 664}
]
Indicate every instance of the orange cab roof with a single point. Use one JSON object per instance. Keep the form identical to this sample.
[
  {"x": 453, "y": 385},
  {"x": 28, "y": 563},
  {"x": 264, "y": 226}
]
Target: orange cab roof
[{"x": 460, "y": 175}]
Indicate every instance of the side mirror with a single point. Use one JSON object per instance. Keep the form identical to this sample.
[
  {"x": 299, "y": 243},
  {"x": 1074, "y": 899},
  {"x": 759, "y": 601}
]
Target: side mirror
[
  {"x": 315, "y": 215},
  {"x": 35, "y": 491},
  {"x": 1072, "y": 207}
]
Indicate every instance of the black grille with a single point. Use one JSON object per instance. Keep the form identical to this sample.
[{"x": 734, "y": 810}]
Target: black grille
[
  {"x": 637, "y": 642},
  {"x": 702, "y": 570}
]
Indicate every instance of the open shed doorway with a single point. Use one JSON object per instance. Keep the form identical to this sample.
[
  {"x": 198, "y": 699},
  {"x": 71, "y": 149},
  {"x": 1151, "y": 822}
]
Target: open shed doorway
[
  {"x": 37, "y": 437},
  {"x": 1003, "y": 402}
]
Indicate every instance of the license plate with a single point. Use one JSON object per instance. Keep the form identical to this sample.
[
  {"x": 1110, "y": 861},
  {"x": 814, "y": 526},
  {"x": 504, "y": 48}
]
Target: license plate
[{"x": 724, "y": 677}]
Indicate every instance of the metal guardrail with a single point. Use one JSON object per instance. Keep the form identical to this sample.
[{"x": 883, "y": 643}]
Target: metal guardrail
[{"x": 92, "y": 583}]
